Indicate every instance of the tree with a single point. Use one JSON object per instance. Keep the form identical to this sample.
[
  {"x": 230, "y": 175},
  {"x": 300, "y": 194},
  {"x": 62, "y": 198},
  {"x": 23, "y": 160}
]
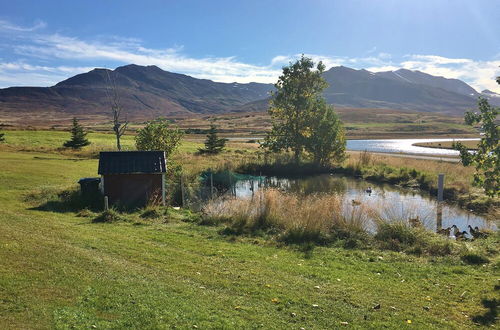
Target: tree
[
  {"x": 78, "y": 136},
  {"x": 2, "y": 137},
  {"x": 119, "y": 126},
  {"x": 213, "y": 145},
  {"x": 327, "y": 141},
  {"x": 158, "y": 135},
  {"x": 301, "y": 119},
  {"x": 486, "y": 159}
]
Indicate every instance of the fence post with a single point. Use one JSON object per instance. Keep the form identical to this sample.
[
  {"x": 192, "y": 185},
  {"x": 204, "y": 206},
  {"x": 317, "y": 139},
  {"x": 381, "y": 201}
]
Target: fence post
[
  {"x": 182, "y": 190},
  {"x": 439, "y": 215},
  {"x": 106, "y": 205},
  {"x": 211, "y": 185}
]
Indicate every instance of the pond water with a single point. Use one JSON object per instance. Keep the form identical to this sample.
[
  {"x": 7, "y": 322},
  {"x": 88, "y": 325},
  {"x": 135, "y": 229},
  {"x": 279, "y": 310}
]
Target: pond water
[{"x": 395, "y": 201}]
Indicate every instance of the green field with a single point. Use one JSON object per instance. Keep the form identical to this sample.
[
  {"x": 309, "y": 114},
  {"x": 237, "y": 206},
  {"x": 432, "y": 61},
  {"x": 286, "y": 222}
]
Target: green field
[{"x": 60, "y": 270}]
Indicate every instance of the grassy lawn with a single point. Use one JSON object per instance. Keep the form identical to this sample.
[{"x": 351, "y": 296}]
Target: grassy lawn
[{"x": 60, "y": 270}]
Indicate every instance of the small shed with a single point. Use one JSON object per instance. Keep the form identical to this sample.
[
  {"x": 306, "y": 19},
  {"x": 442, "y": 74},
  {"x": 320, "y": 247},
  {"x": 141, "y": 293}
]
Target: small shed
[{"x": 133, "y": 178}]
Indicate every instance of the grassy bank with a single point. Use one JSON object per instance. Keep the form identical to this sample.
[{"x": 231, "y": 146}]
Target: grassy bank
[
  {"x": 471, "y": 145},
  {"x": 59, "y": 269}
]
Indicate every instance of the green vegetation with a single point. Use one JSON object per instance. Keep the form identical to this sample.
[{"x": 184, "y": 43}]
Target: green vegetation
[
  {"x": 59, "y": 269},
  {"x": 213, "y": 144},
  {"x": 2, "y": 137},
  {"x": 486, "y": 159},
  {"x": 158, "y": 135},
  {"x": 78, "y": 136},
  {"x": 301, "y": 118}
]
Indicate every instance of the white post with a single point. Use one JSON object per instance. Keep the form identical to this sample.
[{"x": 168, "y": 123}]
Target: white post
[
  {"x": 106, "y": 205},
  {"x": 102, "y": 184},
  {"x": 163, "y": 189}
]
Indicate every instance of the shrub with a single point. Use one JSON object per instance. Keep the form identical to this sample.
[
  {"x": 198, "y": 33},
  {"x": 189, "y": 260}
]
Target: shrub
[
  {"x": 109, "y": 216},
  {"x": 474, "y": 258}
]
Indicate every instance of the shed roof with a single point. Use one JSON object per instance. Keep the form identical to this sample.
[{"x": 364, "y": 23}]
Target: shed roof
[{"x": 128, "y": 162}]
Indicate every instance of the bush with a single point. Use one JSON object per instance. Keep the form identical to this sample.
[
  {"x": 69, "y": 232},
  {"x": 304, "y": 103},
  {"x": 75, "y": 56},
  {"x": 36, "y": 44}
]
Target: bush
[
  {"x": 109, "y": 216},
  {"x": 474, "y": 258}
]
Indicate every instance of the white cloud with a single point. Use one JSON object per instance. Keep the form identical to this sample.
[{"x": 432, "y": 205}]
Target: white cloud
[
  {"x": 7, "y": 26},
  {"x": 36, "y": 49}
]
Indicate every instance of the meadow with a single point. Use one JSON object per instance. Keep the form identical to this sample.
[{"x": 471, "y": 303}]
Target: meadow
[{"x": 59, "y": 269}]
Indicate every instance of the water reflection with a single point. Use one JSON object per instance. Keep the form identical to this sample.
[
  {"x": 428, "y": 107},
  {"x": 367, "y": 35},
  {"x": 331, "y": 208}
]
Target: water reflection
[{"x": 391, "y": 201}]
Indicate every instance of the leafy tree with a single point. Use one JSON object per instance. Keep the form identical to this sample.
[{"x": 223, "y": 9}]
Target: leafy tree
[
  {"x": 301, "y": 119},
  {"x": 213, "y": 145},
  {"x": 486, "y": 159},
  {"x": 78, "y": 136},
  {"x": 158, "y": 135},
  {"x": 2, "y": 137},
  {"x": 327, "y": 141}
]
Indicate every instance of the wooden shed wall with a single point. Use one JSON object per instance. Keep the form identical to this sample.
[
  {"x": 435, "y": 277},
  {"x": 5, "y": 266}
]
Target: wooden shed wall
[{"x": 132, "y": 189}]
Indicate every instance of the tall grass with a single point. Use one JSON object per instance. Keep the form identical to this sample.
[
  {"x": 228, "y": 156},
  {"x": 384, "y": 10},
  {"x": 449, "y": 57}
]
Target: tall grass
[
  {"x": 293, "y": 218},
  {"x": 323, "y": 220}
]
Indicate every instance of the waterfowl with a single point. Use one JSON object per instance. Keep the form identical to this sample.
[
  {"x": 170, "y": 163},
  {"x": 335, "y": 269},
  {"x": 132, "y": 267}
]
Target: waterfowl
[
  {"x": 455, "y": 230},
  {"x": 444, "y": 231},
  {"x": 355, "y": 202},
  {"x": 460, "y": 236},
  {"x": 476, "y": 233},
  {"x": 369, "y": 190},
  {"x": 415, "y": 222}
]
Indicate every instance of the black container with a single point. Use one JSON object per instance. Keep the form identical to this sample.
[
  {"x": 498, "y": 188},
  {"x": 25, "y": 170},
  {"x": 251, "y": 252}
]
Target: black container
[{"x": 89, "y": 187}]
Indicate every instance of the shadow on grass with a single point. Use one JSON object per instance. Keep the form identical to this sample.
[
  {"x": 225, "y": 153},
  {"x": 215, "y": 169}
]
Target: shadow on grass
[
  {"x": 490, "y": 316},
  {"x": 62, "y": 201}
]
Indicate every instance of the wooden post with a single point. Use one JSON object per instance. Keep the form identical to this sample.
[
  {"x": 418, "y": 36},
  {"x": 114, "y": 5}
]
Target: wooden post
[
  {"x": 106, "y": 205},
  {"x": 211, "y": 185},
  {"x": 440, "y": 187},
  {"x": 182, "y": 190},
  {"x": 163, "y": 189}
]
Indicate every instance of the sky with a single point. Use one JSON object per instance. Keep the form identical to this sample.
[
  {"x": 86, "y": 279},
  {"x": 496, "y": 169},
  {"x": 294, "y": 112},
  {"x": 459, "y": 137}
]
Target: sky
[{"x": 44, "y": 42}]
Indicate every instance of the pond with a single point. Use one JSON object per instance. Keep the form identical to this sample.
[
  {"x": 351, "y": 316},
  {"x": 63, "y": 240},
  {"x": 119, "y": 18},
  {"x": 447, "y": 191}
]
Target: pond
[{"x": 396, "y": 202}]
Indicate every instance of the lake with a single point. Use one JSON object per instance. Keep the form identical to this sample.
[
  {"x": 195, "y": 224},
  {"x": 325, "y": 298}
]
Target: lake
[{"x": 404, "y": 146}]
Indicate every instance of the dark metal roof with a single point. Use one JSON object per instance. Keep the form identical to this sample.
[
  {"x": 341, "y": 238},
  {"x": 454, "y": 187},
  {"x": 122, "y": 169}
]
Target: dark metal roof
[{"x": 127, "y": 162}]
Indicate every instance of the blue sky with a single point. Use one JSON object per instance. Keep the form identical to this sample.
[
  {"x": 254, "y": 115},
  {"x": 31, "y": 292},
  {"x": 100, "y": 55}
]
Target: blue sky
[{"x": 43, "y": 42}]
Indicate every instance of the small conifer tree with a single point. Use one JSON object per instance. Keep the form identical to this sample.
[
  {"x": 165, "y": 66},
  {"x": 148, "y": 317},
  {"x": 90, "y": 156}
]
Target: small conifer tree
[
  {"x": 213, "y": 145},
  {"x": 78, "y": 136}
]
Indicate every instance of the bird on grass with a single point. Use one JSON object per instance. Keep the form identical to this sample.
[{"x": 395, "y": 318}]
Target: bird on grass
[
  {"x": 444, "y": 231},
  {"x": 415, "y": 222},
  {"x": 355, "y": 202},
  {"x": 459, "y": 235},
  {"x": 476, "y": 233}
]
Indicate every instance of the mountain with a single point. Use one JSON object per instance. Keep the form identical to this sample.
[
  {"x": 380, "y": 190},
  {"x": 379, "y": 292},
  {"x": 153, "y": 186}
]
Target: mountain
[
  {"x": 147, "y": 91},
  {"x": 402, "y": 89},
  {"x": 144, "y": 91},
  {"x": 492, "y": 97}
]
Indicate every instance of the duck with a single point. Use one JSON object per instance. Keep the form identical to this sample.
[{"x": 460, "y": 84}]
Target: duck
[
  {"x": 460, "y": 236},
  {"x": 455, "y": 230},
  {"x": 444, "y": 231},
  {"x": 476, "y": 233},
  {"x": 355, "y": 202},
  {"x": 369, "y": 190},
  {"x": 415, "y": 222}
]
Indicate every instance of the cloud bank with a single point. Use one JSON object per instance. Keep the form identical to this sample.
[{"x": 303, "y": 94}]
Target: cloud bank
[{"x": 38, "y": 58}]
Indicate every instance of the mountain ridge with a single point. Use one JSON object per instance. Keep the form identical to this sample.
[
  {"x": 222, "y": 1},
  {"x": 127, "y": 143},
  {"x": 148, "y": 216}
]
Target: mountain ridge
[{"x": 149, "y": 91}]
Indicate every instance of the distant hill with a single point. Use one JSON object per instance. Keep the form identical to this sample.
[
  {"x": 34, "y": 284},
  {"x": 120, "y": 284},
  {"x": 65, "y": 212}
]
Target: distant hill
[
  {"x": 402, "y": 89},
  {"x": 144, "y": 91},
  {"x": 148, "y": 91}
]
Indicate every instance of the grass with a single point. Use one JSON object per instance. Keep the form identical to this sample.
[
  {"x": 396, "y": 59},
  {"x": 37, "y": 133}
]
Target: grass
[{"x": 58, "y": 269}]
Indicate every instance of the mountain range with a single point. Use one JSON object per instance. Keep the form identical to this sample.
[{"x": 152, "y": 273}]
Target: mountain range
[{"x": 148, "y": 91}]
